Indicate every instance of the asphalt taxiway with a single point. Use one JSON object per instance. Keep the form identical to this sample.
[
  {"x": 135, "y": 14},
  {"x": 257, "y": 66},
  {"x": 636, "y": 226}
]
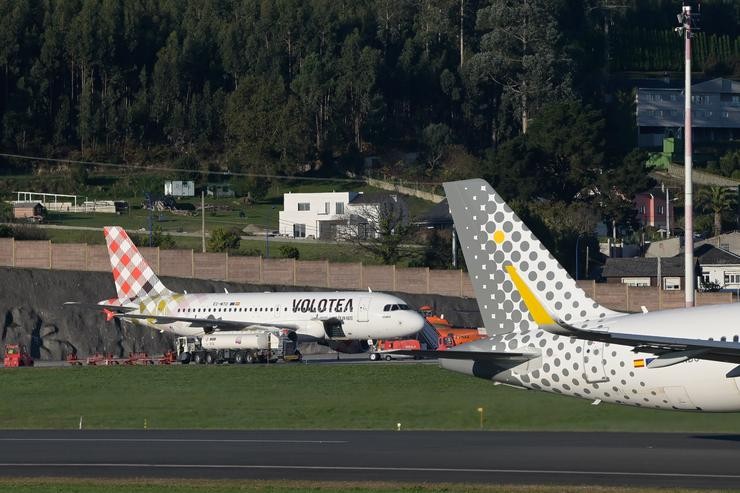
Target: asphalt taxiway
[{"x": 636, "y": 459}]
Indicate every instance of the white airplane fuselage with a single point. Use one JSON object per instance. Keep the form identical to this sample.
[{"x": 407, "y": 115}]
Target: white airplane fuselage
[
  {"x": 363, "y": 315},
  {"x": 613, "y": 372}
]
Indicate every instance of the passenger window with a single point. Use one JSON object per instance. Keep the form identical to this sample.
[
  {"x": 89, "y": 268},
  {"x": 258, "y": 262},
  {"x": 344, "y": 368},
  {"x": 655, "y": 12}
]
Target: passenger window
[
  {"x": 723, "y": 338},
  {"x": 735, "y": 339}
]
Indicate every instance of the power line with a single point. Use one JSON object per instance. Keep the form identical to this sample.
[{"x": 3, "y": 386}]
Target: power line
[{"x": 195, "y": 171}]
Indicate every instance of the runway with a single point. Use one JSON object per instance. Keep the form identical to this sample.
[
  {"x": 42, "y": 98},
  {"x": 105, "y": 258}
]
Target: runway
[{"x": 635, "y": 459}]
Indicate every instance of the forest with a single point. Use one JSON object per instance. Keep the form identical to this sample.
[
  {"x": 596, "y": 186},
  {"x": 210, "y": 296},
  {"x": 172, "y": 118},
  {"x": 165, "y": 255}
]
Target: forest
[
  {"x": 516, "y": 90},
  {"x": 285, "y": 84}
]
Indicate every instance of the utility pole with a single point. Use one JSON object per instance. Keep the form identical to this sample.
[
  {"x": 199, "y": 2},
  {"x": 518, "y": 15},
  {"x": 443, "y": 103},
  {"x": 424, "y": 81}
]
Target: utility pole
[
  {"x": 203, "y": 219},
  {"x": 686, "y": 29}
]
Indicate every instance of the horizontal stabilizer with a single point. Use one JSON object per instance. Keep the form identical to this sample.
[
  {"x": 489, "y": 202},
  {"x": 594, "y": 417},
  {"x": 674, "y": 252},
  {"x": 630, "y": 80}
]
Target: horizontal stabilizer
[
  {"x": 95, "y": 306},
  {"x": 468, "y": 355}
]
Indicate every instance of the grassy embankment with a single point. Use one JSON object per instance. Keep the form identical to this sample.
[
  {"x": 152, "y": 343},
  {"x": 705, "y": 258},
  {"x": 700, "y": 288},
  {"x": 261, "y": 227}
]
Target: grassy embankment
[
  {"x": 39, "y": 485},
  {"x": 293, "y": 396}
]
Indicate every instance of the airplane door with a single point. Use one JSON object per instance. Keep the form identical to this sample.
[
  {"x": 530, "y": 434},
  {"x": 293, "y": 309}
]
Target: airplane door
[
  {"x": 362, "y": 309},
  {"x": 593, "y": 361},
  {"x": 679, "y": 398}
]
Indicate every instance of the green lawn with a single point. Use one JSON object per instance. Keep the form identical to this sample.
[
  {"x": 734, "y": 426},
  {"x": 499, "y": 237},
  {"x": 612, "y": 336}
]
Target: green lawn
[
  {"x": 286, "y": 396},
  {"x": 43, "y": 485},
  {"x": 308, "y": 250}
]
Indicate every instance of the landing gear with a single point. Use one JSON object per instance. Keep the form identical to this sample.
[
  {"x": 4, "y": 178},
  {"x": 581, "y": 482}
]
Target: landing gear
[{"x": 374, "y": 357}]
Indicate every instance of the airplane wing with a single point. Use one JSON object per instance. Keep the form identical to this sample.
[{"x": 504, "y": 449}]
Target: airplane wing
[
  {"x": 212, "y": 323},
  {"x": 669, "y": 350},
  {"x": 467, "y": 355}
]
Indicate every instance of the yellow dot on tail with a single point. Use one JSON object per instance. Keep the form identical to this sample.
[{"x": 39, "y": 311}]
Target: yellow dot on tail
[
  {"x": 498, "y": 236},
  {"x": 161, "y": 306}
]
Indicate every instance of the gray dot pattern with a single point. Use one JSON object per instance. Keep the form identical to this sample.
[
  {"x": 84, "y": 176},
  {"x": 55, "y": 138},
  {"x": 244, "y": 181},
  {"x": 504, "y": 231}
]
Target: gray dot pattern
[
  {"x": 492, "y": 238},
  {"x": 575, "y": 367}
]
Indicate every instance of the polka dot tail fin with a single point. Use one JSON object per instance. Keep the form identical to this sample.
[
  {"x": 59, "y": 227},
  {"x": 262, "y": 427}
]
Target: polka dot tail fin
[{"x": 519, "y": 285}]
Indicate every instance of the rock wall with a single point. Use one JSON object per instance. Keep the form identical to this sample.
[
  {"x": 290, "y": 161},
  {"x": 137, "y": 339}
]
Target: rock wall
[{"x": 32, "y": 312}]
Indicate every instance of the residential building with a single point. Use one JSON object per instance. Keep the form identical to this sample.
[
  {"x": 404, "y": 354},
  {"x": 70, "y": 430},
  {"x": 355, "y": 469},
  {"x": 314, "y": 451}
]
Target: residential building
[
  {"x": 334, "y": 215},
  {"x": 651, "y": 208},
  {"x": 718, "y": 267},
  {"x": 313, "y": 215},
  {"x": 219, "y": 190},
  {"x": 729, "y": 242},
  {"x": 715, "y": 112},
  {"x": 367, "y": 210},
  {"x": 646, "y": 272},
  {"x": 179, "y": 188},
  {"x": 28, "y": 210}
]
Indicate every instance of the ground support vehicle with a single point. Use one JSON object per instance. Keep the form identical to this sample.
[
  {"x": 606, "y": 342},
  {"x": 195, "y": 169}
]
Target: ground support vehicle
[
  {"x": 384, "y": 349},
  {"x": 245, "y": 346},
  {"x": 16, "y": 355},
  {"x": 107, "y": 359}
]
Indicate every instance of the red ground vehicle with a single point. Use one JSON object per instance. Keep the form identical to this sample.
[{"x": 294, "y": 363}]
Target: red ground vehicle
[
  {"x": 382, "y": 346},
  {"x": 16, "y": 356},
  {"x": 450, "y": 336}
]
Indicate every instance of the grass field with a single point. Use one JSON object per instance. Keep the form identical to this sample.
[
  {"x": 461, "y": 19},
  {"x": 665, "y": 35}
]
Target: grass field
[
  {"x": 308, "y": 250},
  {"x": 293, "y": 396},
  {"x": 38, "y": 485}
]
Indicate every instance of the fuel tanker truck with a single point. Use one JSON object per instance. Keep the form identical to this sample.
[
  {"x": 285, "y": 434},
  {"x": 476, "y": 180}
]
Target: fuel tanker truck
[{"x": 244, "y": 346}]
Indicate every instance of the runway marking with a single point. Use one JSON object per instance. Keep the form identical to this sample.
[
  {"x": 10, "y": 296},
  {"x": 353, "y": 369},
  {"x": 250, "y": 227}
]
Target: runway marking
[
  {"x": 559, "y": 472},
  {"x": 176, "y": 440}
]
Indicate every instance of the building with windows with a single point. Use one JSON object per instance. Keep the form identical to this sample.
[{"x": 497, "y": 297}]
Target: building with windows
[
  {"x": 651, "y": 208},
  {"x": 715, "y": 112},
  {"x": 334, "y": 215},
  {"x": 719, "y": 268},
  {"x": 646, "y": 272},
  {"x": 313, "y": 215}
]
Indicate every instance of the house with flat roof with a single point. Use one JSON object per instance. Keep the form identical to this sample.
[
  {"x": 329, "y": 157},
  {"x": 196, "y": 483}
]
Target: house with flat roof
[
  {"x": 715, "y": 112},
  {"x": 333, "y": 215}
]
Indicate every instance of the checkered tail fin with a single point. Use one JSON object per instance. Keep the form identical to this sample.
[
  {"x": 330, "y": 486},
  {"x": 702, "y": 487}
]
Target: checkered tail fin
[{"x": 133, "y": 276}]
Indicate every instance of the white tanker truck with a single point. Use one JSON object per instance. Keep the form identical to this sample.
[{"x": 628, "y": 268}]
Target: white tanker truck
[{"x": 245, "y": 346}]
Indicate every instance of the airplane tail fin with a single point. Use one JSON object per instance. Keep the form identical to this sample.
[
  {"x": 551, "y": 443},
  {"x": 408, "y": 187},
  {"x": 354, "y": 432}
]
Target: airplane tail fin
[
  {"x": 131, "y": 273},
  {"x": 518, "y": 284}
]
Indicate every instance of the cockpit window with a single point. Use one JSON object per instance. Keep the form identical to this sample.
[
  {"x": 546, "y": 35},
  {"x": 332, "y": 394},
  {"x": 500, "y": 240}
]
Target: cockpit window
[
  {"x": 403, "y": 307},
  {"x": 387, "y": 308}
]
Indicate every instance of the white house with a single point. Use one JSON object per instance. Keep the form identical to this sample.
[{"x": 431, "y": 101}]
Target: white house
[
  {"x": 179, "y": 188},
  {"x": 719, "y": 267},
  {"x": 313, "y": 214},
  {"x": 330, "y": 215}
]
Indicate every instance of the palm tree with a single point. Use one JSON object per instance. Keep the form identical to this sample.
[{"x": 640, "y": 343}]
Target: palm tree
[{"x": 717, "y": 199}]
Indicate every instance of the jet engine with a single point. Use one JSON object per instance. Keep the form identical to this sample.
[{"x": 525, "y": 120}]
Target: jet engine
[{"x": 349, "y": 347}]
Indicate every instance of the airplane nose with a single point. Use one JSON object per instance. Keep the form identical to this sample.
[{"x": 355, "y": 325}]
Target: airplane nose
[{"x": 416, "y": 321}]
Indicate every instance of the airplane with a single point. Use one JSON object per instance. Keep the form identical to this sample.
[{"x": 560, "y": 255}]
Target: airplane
[
  {"x": 548, "y": 335},
  {"x": 342, "y": 320}
]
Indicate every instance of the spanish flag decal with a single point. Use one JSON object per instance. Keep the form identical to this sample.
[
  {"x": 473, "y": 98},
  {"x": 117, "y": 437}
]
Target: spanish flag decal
[{"x": 642, "y": 363}]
